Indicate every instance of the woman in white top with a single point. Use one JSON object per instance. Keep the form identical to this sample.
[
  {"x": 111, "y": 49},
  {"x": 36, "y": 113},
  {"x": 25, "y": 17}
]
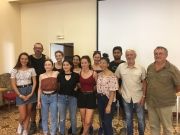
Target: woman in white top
[{"x": 23, "y": 80}]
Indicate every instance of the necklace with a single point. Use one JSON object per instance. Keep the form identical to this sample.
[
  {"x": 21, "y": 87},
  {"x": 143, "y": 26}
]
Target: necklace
[{"x": 49, "y": 75}]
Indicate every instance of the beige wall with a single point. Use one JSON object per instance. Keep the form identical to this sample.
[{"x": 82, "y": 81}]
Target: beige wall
[
  {"x": 74, "y": 19},
  {"x": 9, "y": 35}
]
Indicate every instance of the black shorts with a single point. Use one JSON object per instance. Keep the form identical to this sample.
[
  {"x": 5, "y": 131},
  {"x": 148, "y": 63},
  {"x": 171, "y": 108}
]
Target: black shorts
[{"x": 87, "y": 100}]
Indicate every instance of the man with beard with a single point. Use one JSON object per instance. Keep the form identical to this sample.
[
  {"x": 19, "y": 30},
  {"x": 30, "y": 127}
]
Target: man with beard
[{"x": 117, "y": 53}]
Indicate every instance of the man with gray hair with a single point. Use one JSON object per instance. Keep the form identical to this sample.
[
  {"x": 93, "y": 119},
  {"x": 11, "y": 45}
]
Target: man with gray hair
[
  {"x": 133, "y": 90},
  {"x": 163, "y": 80}
]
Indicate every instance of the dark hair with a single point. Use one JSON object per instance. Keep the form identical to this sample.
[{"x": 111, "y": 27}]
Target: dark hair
[
  {"x": 18, "y": 64},
  {"x": 161, "y": 47},
  {"x": 88, "y": 59},
  {"x": 105, "y": 57},
  {"x": 48, "y": 60},
  {"x": 70, "y": 62},
  {"x": 117, "y": 48},
  {"x": 79, "y": 59},
  {"x": 96, "y": 52},
  {"x": 58, "y": 51}
]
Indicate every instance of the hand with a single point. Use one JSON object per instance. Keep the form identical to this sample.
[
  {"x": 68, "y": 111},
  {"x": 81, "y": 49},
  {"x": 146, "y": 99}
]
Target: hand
[
  {"x": 108, "y": 109},
  {"x": 39, "y": 105},
  {"x": 142, "y": 101},
  {"x": 28, "y": 96}
]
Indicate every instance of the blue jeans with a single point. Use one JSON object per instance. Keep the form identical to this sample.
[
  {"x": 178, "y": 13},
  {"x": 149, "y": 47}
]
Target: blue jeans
[
  {"x": 128, "y": 107},
  {"x": 67, "y": 102},
  {"x": 49, "y": 103},
  {"x": 106, "y": 119}
]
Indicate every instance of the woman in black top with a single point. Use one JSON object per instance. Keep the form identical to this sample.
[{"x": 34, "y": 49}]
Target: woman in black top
[{"x": 68, "y": 81}]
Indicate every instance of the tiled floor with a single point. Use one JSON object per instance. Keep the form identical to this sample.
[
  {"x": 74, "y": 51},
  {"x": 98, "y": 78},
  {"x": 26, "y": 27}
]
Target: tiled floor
[{"x": 9, "y": 122}]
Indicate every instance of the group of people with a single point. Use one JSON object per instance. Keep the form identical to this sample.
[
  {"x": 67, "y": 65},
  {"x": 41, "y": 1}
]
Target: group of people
[{"x": 67, "y": 85}]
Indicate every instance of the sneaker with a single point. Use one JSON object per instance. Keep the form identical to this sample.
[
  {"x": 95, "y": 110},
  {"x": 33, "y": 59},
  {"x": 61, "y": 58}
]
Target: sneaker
[
  {"x": 19, "y": 129},
  {"x": 24, "y": 132},
  {"x": 91, "y": 130}
]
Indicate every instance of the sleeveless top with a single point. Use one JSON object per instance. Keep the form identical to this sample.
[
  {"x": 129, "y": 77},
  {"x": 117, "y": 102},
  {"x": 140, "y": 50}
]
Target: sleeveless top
[
  {"x": 38, "y": 64},
  {"x": 49, "y": 84},
  {"x": 87, "y": 85}
]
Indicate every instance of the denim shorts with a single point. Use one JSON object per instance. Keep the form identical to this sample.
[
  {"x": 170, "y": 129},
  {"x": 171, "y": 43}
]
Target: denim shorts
[{"x": 25, "y": 91}]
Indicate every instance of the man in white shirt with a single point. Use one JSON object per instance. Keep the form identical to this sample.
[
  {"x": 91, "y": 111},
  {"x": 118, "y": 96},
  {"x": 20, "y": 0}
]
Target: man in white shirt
[{"x": 133, "y": 90}]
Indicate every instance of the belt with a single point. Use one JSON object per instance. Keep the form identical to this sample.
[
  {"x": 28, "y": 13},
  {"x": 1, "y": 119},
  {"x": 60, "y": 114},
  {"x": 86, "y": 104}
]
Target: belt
[
  {"x": 23, "y": 86},
  {"x": 48, "y": 94}
]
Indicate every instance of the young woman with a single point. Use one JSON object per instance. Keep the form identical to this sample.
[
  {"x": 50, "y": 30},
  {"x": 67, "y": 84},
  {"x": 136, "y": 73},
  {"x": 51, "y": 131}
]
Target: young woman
[
  {"x": 22, "y": 78},
  {"x": 47, "y": 97},
  {"x": 68, "y": 81},
  {"x": 87, "y": 97},
  {"x": 107, "y": 84},
  {"x": 77, "y": 64},
  {"x": 96, "y": 57},
  {"x": 59, "y": 55}
]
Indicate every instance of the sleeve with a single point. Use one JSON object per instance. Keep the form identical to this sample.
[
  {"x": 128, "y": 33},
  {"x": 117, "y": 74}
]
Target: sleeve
[
  {"x": 58, "y": 77},
  {"x": 176, "y": 76},
  {"x": 113, "y": 84},
  {"x": 13, "y": 73},
  {"x": 143, "y": 76},
  {"x": 33, "y": 72},
  {"x": 117, "y": 72}
]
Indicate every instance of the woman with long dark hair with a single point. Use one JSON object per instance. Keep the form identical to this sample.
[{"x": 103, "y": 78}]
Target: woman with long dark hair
[
  {"x": 107, "y": 84},
  {"x": 23, "y": 80},
  {"x": 68, "y": 81}
]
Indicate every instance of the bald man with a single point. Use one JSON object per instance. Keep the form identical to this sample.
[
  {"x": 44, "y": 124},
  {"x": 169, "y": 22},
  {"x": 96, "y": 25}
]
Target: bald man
[{"x": 133, "y": 90}]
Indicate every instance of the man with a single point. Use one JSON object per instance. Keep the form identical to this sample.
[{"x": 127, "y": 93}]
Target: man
[
  {"x": 133, "y": 90},
  {"x": 37, "y": 61},
  {"x": 163, "y": 80},
  {"x": 117, "y": 53}
]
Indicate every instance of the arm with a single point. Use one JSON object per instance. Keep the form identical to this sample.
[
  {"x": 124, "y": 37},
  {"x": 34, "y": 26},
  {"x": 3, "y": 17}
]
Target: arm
[
  {"x": 111, "y": 98},
  {"x": 39, "y": 92},
  {"x": 144, "y": 89},
  {"x": 33, "y": 87}
]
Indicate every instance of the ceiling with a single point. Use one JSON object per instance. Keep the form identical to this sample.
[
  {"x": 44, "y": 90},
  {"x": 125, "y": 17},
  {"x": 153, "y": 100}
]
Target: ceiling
[{"x": 28, "y": 1}]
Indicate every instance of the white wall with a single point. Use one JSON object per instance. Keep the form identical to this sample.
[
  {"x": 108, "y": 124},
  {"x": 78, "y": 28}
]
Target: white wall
[
  {"x": 141, "y": 25},
  {"x": 9, "y": 35},
  {"x": 74, "y": 19}
]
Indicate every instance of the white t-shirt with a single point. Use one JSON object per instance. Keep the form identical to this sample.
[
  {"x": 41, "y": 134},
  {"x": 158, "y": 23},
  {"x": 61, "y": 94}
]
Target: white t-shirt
[{"x": 23, "y": 77}]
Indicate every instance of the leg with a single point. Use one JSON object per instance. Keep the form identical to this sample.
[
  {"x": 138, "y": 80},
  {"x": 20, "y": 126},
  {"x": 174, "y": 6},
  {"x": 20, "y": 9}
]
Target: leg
[
  {"x": 166, "y": 119},
  {"x": 129, "y": 116},
  {"x": 22, "y": 116},
  {"x": 108, "y": 120},
  {"x": 141, "y": 118},
  {"x": 28, "y": 114},
  {"x": 62, "y": 111},
  {"x": 88, "y": 120},
  {"x": 101, "y": 108},
  {"x": 44, "y": 113},
  {"x": 72, "y": 111},
  {"x": 53, "y": 112},
  {"x": 154, "y": 120}
]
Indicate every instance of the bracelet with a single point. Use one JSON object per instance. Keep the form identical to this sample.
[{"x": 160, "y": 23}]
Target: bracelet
[{"x": 20, "y": 95}]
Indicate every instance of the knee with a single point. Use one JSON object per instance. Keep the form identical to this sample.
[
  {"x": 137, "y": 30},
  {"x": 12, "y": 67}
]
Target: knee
[{"x": 87, "y": 124}]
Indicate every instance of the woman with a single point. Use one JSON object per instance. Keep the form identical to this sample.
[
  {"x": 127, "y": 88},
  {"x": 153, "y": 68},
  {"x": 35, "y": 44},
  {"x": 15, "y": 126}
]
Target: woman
[
  {"x": 47, "y": 97},
  {"x": 107, "y": 85},
  {"x": 77, "y": 64},
  {"x": 68, "y": 81},
  {"x": 96, "y": 57},
  {"x": 23, "y": 80},
  {"x": 59, "y": 55},
  {"x": 87, "y": 97}
]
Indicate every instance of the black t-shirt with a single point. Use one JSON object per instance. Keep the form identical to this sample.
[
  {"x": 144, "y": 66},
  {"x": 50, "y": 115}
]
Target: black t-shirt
[
  {"x": 113, "y": 65},
  {"x": 38, "y": 64},
  {"x": 67, "y": 86}
]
